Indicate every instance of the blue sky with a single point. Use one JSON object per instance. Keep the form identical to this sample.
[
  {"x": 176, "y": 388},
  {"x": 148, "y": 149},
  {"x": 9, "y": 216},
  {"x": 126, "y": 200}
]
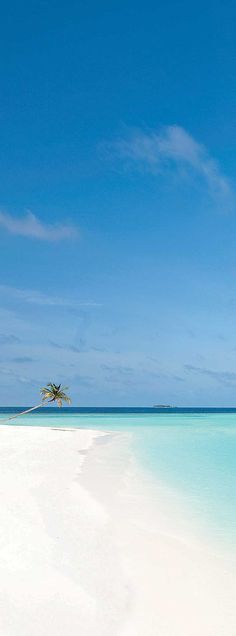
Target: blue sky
[{"x": 117, "y": 206}]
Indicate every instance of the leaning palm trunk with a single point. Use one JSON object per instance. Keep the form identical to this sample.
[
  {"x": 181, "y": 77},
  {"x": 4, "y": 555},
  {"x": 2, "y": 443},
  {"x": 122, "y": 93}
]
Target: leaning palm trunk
[
  {"x": 13, "y": 417},
  {"x": 50, "y": 393}
]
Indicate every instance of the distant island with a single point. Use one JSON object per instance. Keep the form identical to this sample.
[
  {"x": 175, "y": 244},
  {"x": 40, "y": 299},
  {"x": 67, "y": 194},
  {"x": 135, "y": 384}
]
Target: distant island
[{"x": 163, "y": 406}]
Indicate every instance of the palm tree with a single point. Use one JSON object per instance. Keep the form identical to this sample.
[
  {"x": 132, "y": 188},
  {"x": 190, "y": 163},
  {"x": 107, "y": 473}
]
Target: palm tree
[
  {"x": 55, "y": 393},
  {"x": 50, "y": 393}
]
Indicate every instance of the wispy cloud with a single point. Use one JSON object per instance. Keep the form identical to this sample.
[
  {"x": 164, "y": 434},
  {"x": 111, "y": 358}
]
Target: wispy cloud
[
  {"x": 82, "y": 347},
  {"x": 12, "y": 375},
  {"x": 224, "y": 377},
  {"x": 23, "y": 359},
  {"x": 82, "y": 380},
  {"x": 35, "y": 297},
  {"x": 65, "y": 347},
  {"x": 30, "y": 226},
  {"x": 8, "y": 339},
  {"x": 118, "y": 374},
  {"x": 173, "y": 148}
]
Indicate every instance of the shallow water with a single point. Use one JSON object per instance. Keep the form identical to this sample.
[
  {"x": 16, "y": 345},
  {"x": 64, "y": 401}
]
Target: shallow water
[{"x": 193, "y": 453}]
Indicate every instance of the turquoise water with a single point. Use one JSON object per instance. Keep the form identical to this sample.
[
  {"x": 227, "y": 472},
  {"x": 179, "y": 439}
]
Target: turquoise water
[{"x": 194, "y": 453}]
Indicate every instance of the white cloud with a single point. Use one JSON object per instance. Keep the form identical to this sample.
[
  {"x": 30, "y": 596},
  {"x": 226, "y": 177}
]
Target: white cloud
[
  {"x": 35, "y": 297},
  {"x": 174, "y": 148},
  {"x": 30, "y": 226}
]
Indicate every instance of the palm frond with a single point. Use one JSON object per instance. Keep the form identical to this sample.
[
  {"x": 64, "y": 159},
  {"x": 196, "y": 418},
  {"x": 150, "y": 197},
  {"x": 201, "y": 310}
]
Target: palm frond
[{"x": 66, "y": 398}]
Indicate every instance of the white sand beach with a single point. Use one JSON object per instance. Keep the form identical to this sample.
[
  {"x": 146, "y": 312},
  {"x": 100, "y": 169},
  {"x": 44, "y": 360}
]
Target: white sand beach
[{"x": 85, "y": 550}]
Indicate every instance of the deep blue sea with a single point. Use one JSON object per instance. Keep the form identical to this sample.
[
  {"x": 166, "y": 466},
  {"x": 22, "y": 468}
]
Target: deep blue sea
[{"x": 191, "y": 450}]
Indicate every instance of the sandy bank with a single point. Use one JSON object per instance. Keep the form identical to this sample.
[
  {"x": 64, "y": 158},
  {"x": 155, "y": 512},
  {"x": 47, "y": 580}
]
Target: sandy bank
[{"x": 85, "y": 550}]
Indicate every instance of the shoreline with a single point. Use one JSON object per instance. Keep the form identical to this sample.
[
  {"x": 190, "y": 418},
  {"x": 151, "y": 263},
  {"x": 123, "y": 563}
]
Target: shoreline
[
  {"x": 179, "y": 584},
  {"x": 85, "y": 548}
]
